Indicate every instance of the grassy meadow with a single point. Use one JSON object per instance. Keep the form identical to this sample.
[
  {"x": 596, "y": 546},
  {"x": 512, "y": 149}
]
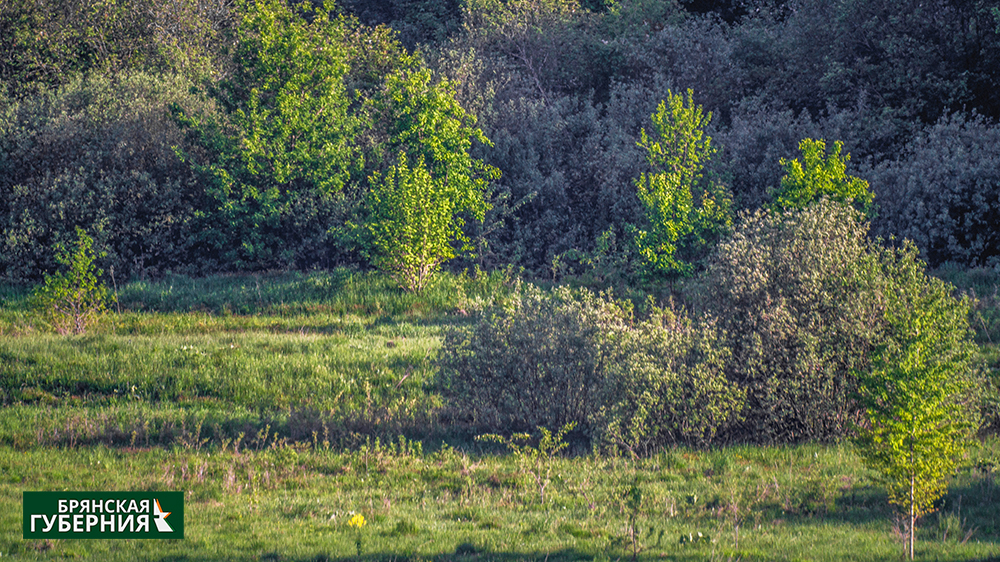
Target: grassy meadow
[{"x": 283, "y": 404}]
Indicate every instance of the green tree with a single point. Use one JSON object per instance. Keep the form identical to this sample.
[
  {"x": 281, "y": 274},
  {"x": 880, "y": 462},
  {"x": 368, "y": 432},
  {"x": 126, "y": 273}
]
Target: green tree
[
  {"x": 75, "y": 298},
  {"x": 685, "y": 211},
  {"x": 917, "y": 395},
  {"x": 414, "y": 223},
  {"x": 418, "y": 207},
  {"x": 819, "y": 175},
  {"x": 288, "y": 143}
]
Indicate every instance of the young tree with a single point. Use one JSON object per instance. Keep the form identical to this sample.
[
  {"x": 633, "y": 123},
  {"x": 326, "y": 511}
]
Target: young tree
[
  {"x": 75, "y": 298},
  {"x": 413, "y": 223},
  {"x": 418, "y": 206},
  {"x": 916, "y": 396},
  {"x": 819, "y": 175},
  {"x": 685, "y": 211}
]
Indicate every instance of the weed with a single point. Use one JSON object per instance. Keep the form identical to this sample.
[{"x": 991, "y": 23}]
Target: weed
[{"x": 535, "y": 461}]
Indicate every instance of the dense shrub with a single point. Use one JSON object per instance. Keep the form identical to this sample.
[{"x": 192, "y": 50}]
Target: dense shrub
[
  {"x": 669, "y": 386},
  {"x": 791, "y": 292},
  {"x": 576, "y": 357},
  {"x": 45, "y": 43},
  {"x": 943, "y": 192},
  {"x": 98, "y": 154},
  {"x": 538, "y": 360}
]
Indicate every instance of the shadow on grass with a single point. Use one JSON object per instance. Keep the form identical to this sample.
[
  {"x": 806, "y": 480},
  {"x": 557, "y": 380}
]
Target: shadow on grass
[{"x": 564, "y": 555}]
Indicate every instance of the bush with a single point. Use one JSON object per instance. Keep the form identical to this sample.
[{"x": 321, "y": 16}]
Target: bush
[
  {"x": 547, "y": 360},
  {"x": 791, "y": 290},
  {"x": 97, "y": 153},
  {"x": 944, "y": 192},
  {"x": 669, "y": 386},
  {"x": 538, "y": 360},
  {"x": 73, "y": 299}
]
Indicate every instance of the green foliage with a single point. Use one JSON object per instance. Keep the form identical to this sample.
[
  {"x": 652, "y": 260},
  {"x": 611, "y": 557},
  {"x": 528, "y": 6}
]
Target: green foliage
[
  {"x": 576, "y": 357},
  {"x": 819, "y": 175},
  {"x": 790, "y": 291},
  {"x": 98, "y": 153},
  {"x": 541, "y": 48},
  {"x": 273, "y": 167},
  {"x": 417, "y": 209},
  {"x": 73, "y": 299},
  {"x": 418, "y": 22},
  {"x": 539, "y": 360},
  {"x": 413, "y": 223},
  {"x": 46, "y": 43},
  {"x": 669, "y": 385},
  {"x": 919, "y": 396},
  {"x": 685, "y": 212}
]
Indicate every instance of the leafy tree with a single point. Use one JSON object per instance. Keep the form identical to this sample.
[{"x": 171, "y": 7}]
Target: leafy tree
[
  {"x": 685, "y": 211},
  {"x": 916, "y": 397},
  {"x": 819, "y": 175},
  {"x": 414, "y": 223},
  {"x": 75, "y": 298},
  {"x": 418, "y": 207},
  {"x": 287, "y": 146}
]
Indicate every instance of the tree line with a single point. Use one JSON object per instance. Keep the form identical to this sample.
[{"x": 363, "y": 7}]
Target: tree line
[{"x": 203, "y": 135}]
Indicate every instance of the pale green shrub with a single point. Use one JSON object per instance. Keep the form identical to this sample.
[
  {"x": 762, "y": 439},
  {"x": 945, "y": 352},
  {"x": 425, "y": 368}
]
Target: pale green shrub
[{"x": 551, "y": 359}]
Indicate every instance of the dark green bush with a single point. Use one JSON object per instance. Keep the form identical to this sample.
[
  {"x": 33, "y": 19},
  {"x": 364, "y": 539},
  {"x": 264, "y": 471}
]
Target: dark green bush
[
  {"x": 45, "y": 43},
  {"x": 802, "y": 298},
  {"x": 538, "y": 360},
  {"x": 943, "y": 192},
  {"x": 98, "y": 154}
]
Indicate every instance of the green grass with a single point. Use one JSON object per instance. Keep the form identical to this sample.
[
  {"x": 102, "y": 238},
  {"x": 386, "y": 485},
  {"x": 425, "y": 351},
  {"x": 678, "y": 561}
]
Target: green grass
[
  {"x": 271, "y": 401},
  {"x": 273, "y": 501},
  {"x": 342, "y": 354}
]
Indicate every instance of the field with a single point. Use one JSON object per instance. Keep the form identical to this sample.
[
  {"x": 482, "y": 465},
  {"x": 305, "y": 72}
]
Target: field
[{"x": 283, "y": 404}]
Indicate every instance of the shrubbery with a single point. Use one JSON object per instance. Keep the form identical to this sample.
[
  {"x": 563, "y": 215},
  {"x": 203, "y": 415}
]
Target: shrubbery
[
  {"x": 537, "y": 360},
  {"x": 800, "y": 301},
  {"x": 669, "y": 385},
  {"x": 791, "y": 291},
  {"x": 549, "y": 359},
  {"x": 943, "y": 192},
  {"x": 98, "y": 153}
]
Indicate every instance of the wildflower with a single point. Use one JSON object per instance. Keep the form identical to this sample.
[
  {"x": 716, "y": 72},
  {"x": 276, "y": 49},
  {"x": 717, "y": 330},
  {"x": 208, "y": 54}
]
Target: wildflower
[{"x": 357, "y": 521}]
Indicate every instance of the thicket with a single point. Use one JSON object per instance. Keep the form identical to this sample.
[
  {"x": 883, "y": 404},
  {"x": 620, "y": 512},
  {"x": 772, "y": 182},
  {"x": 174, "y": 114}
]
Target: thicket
[
  {"x": 286, "y": 116},
  {"x": 575, "y": 357},
  {"x": 794, "y": 321}
]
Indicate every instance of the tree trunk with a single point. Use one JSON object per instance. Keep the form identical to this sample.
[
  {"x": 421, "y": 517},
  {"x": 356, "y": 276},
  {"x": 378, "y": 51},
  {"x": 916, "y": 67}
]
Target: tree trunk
[{"x": 912, "y": 518}]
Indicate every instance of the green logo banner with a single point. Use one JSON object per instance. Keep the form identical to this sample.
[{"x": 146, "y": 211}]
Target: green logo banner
[{"x": 103, "y": 515}]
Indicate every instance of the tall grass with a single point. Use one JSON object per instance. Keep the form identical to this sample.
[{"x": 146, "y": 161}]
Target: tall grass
[
  {"x": 263, "y": 499},
  {"x": 339, "y": 353}
]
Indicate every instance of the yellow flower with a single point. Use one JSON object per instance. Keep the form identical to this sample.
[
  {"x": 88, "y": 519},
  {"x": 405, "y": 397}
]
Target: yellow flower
[{"x": 357, "y": 521}]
